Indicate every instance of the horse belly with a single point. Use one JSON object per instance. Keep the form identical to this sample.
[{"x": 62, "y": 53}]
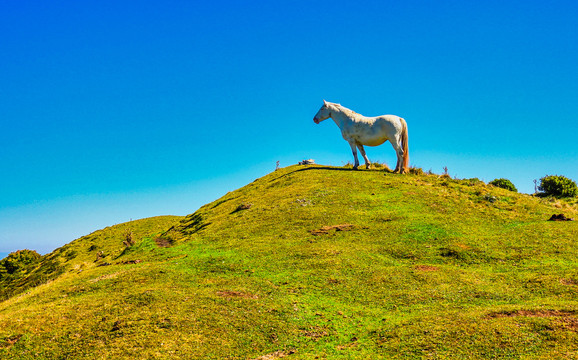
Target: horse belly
[
  {"x": 374, "y": 141},
  {"x": 364, "y": 134},
  {"x": 365, "y": 139}
]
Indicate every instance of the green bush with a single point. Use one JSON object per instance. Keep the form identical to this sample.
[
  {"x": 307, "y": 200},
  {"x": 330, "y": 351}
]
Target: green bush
[
  {"x": 504, "y": 184},
  {"x": 472, "y": 181},
  {"x": 557, "y": 185},
  {"x": 17, "y": 261}
]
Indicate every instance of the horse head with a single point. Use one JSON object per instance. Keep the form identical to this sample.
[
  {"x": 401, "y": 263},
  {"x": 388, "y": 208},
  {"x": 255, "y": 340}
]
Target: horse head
[{"x": 324, "y": 113}]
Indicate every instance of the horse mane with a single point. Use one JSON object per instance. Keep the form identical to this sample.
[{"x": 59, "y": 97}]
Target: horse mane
[{"x": 346, "y": 111}]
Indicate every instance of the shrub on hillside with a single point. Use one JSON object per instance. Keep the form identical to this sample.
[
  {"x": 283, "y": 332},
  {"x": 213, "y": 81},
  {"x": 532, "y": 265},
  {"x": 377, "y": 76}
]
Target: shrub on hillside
[
  {"x": 558, "y": 185},
  {"x": 18, "y": 261},
  {"x": 504, "y": 184},
  {"x": 380, "y": 166},
  {"x": 473, "y": 181},
  {"x": 416, "y": 171}
]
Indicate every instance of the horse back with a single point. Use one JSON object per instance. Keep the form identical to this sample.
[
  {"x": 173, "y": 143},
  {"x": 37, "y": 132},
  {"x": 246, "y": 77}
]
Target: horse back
[{"x": 391, "y": 125}]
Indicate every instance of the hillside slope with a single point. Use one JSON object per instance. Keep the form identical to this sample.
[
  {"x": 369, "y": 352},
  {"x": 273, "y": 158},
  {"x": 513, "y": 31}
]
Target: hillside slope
[
  {"x": 96, "y": 249},
  {"x": 321, "y": 262}
]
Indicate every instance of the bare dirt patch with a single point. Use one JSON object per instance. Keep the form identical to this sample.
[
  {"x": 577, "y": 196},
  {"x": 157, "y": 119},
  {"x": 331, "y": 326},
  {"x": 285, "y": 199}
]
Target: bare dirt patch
[
  {"x": 533, "y": 313},
  {"x": 106, "y": 276},
  {"x": 562, "y": 319},
  {"x": 241, "y": 207},
  {"x": 568, "y": 282},
  {"x": 315, "y": 333},
  {"x": 163, "y": 242},
  {"x": 275, "y": 355},
  {"x": 325, "y": 230},
  {"x": 10, "y": 340},
  {"x": 236, "y": 294},
  {"x": 128, "y": 262},
  {"x": 352, "y": 344},
  {"x": 426, "y": 268}
]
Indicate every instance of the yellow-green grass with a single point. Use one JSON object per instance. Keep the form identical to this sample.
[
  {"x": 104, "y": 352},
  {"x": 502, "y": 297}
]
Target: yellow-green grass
[{"x": 420, "y": 266}]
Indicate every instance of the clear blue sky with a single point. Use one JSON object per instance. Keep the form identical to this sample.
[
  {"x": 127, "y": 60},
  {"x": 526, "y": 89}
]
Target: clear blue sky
[{"x": 118, "y": 110}]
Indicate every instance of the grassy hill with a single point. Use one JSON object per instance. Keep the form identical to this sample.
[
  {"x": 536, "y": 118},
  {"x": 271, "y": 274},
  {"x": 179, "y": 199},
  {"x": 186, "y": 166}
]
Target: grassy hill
[{"x": 312, "y": 262}]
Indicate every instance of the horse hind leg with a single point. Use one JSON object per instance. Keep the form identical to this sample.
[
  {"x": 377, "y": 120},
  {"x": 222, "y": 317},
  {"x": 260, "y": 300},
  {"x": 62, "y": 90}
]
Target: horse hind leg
[
  {"x": 365, "y": 158},
  {"x": 399, "y": 152}
]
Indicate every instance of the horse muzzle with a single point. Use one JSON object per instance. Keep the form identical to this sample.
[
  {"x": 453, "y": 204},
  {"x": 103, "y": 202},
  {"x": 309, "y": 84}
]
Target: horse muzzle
[{"x": 315, "y": 120}]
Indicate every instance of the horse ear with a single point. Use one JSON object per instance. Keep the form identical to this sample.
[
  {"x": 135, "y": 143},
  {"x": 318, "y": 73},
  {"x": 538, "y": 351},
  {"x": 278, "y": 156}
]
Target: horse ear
[{"x": 324, "y": 102}]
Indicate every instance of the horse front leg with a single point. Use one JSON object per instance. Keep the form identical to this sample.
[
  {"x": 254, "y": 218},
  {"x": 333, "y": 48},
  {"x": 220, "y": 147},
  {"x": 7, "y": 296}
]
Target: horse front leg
[
  {"x": 362, "y": 151},
  {"x": 354, "y": 151}
]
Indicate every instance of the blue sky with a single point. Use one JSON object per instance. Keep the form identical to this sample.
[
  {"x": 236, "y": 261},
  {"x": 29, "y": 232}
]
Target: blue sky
[{"x": 112, "y": 111}]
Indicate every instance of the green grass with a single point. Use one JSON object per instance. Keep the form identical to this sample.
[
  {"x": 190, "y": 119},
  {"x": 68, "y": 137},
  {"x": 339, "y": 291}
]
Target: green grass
[{"x": 430, "y": 268}]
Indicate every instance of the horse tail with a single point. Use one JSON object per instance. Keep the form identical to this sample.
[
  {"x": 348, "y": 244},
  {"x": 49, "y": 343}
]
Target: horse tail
[{"x": 404, "y": 144}]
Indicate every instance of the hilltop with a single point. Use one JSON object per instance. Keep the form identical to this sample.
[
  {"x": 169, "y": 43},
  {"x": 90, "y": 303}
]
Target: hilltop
[{"x": 312, "y": 261}]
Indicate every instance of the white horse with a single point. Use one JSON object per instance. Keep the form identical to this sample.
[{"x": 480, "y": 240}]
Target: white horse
[{"x": 359, "y": 130}]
